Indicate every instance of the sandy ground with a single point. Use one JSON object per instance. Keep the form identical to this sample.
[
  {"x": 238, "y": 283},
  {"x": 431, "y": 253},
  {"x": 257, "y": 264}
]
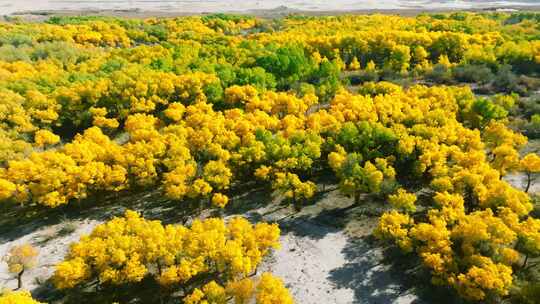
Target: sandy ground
[
  {"x": 52, "y": 248},
  {"x": 327, "y": 257},
  {"x": 519, "y": 182}
]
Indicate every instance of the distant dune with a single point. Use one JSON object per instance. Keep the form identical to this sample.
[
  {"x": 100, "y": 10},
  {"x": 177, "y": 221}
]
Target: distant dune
[{"x": 258, "y": 7}]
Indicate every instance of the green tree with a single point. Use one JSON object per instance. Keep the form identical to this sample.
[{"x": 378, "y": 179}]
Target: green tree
[{"x": 289, "y": 64}]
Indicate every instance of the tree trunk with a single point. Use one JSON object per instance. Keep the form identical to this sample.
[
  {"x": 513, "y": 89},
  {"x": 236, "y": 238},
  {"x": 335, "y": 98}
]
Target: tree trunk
[
  {"x": 525, "y": 261},
  {"x": 357, "y": 197},
  {"x": 470, "y": 200},
  {"x": 19, "y": 279},
  {"x": 296, "y": 203},
  {"x": 529, "y": 178},
  {"x": 159, "y": 267}
]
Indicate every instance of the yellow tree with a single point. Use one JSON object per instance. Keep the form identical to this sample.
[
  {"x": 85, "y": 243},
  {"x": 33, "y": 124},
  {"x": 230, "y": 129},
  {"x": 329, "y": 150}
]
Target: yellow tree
[
  {"x": 19, "y": 259},
  {"x": 128, "y": 249},
  {"x": 403, "y": 200},
  {"x": 356, "y": 178},
  {"x": 354, "y": 65},
  {"x": 290, "y": 185},
  {"x": 264, "y": 290},
  {"x": 43, "y": 138},
  {"x": 530, "y": 164},
  {"x": 17, "y": 297}
]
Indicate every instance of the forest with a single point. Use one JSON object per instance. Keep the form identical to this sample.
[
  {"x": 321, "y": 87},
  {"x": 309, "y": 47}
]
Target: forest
[{"x": 430, "y": 118}]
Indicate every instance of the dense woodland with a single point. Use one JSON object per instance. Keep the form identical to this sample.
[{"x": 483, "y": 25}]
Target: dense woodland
[{"x": 425, "y": 114}]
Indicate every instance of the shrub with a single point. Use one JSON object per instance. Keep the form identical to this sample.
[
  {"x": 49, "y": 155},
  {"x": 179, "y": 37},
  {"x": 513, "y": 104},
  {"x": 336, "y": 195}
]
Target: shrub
[
  {"x": 530, "y": 106},
  {"x": 507, "y": 81},
  {"x": 473, "y": 74},
  {"x": 440, "y": 74},
  {"x": 364, "y": 76}
]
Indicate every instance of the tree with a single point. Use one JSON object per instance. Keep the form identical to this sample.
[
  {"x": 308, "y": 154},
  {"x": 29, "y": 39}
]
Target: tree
[
  {"x": 485, "y": 111},
  {"x": 289, "y": 64},
  {"x": 400, "y": 58},
  {"x": 99, "y": 119},
  {"x": 17, "y": 297},
  {"x": 452, "y": 45},
  {"x": 197, "y": 260},
  {"x": 19, "y": 259},
  {"x": 217, "y": 174},
  {"x": 220, "y": 200},
  {"x": 44, "y": 138},
  {"x": 290, "y": 185},
  {"x": 378, "y": 88},
  {"x": 419, "y": 55},
  {"x": 403, "y": 200},
  {"x": 395, "y": 226},
  {"x": 266, "y": 290},
  {"x": 530, "y": 164},
  {"x": 355, "y": 64},
  {"x": 356, "y": 178},
  {"x": 528, "y": 233},
  {"x": 271, "y": 290},
  {"x": 199, "y": 104},
  {"x": 505, "y": 158},
  {"x": 7, "y": 189},
  {"x": 485, "y": 276}
]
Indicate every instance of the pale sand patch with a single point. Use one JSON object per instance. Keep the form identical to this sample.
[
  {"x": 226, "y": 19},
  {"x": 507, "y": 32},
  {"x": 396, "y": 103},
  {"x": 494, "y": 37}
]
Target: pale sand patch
[
  {"x": 52, "y": 246},
  {"x": 322, "y": 271},
  {"x": 326, "y": 257},
  {"x": 304, "y": 265}
]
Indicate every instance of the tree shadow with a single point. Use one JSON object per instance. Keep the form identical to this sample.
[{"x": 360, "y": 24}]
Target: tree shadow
[
  {"x": 18, "y": 221},
  {"x": 316, "y": 226},
  {"x": 330, "y": 212},
  {"x": 384, "y": 275},
  {"x": 146, "y": 291},
  {"x": 248, "y": 202},
  {"x": 246, "y": 199}
]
